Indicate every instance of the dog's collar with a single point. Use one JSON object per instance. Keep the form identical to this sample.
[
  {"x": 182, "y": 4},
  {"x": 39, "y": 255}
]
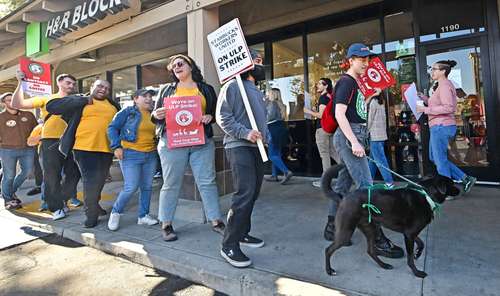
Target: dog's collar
[{"x": 434, "y": 206}]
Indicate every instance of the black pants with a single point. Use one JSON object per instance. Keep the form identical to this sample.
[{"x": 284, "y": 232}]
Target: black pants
[
  {"x": 57, "y": 189},
  {"x": 94, "y": 167},
  {"x": 247, "y": 171},
  {"x": 38, "y": 170}
]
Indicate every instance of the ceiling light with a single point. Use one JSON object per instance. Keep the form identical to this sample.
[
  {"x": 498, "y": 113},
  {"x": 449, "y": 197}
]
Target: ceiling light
[{"x": 86, "y": 58}]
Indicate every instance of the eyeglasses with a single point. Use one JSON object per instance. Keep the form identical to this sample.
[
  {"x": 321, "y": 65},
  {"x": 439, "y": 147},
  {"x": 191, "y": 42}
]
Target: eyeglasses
[
  {"x": 433, "y": 68},
  {"x": 179, "y": 64}
]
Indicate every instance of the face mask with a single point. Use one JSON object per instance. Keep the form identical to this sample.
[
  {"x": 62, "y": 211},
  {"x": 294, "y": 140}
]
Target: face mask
[{"x": 258, "y": 73}]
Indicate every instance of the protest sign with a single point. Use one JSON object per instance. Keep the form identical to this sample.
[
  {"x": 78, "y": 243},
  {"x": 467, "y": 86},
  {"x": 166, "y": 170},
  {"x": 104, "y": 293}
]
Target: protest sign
[
  {"x": 183, "y": 121},
  {"x": 376, "y": 76},
  {"x": 231, "y": 58},
  {"x": 37, "y": 80}
]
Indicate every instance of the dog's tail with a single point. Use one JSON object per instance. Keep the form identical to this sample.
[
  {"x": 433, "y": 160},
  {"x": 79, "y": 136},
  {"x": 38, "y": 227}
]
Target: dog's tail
[{"x": 326, "y": 181}]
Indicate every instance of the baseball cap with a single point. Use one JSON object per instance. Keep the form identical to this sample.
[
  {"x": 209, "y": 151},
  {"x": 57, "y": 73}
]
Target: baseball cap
[
  {"x": 144, "y": 91},
  {"x": 359, "y": 50}
]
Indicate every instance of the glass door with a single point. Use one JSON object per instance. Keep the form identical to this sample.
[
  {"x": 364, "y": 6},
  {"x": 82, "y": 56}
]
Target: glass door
[{"x": 470, "y": 149}]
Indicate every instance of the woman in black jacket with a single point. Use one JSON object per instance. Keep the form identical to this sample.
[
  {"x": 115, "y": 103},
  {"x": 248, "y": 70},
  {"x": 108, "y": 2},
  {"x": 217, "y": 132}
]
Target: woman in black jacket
[{"x": 201, "y": 158}]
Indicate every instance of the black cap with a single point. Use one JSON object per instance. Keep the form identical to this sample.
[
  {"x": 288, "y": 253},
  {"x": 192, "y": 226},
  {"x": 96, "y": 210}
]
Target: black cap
[{"x": 144, "y": 91}]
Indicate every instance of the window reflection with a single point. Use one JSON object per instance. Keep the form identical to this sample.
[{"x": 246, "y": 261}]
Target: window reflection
[{"x": 124, "y": 85}]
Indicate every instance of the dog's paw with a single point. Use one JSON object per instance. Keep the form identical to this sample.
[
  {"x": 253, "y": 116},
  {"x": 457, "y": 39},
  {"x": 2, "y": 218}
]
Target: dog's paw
[
  {"x": 386, "y": 266},
  {"x": 331, "y": 272},
  {"x": 420, "y": 274},
  {"x": 417, "y": 254}
]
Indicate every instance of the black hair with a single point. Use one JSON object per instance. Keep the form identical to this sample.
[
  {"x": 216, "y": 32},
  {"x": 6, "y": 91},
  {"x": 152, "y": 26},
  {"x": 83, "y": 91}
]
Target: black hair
[
  {"x": 446, "y": 66},
  {"x": 61, "y": 77},
  {"x": 195, "y": 70},
  {"x": 329, "y": 84}
]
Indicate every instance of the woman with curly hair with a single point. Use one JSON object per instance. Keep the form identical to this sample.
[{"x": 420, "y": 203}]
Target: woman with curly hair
[{"x": 201, "y": 158}]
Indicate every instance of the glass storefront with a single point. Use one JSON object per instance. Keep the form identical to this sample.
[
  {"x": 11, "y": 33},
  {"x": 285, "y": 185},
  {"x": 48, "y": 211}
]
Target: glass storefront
[{"x": 124, "y": 85}]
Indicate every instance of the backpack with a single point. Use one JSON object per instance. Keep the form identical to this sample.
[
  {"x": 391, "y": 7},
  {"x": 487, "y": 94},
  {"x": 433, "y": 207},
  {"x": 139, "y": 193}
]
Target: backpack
[{"x": 328, "y": 122}]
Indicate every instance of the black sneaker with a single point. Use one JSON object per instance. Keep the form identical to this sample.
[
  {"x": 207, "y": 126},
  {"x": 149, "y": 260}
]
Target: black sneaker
[
  {"x": 34, "y": 191},
  {"x": 251, "y": 242},
  {"x": 235, "y": 257},
  {"x": 168, "y": 234},
  {"x": 384, "y": 247}
]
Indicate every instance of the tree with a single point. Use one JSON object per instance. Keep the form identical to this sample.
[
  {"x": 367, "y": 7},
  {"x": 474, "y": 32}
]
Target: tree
[{"x": 7, "y": 6}]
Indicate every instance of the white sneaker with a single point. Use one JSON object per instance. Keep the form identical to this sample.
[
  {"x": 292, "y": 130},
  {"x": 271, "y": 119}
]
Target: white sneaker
[
  {"x": 317, "y": 184},
  {"x": 66, "y": 209},
  {"x": 147, "y": 220},
  {"x": 114, "y": 221},
  {"x": 59, "y": 214}
]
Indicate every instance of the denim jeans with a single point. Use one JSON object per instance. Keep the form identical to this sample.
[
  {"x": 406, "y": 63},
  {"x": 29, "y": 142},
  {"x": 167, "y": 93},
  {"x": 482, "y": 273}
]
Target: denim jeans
[
  {"x": 10, "y": 181},
  {"x": 378, "y": 154},
  {"x": 277, "y": 162},
  {"x": 247, "y": 170},
  {"x": 174, "y": 162},
  {"x": 94, "y": 167},
  {"x": 326, "y": 150},
  {"x": 138, "y": 169},
  {"x": 438, "y": 151},
  {"x": 355, "y": 169}
]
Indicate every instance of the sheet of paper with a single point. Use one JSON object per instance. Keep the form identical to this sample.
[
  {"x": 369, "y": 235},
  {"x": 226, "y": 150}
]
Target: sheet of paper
[
  {"x": 307, "y": 104},
  {"x": 412, "y": 98}
]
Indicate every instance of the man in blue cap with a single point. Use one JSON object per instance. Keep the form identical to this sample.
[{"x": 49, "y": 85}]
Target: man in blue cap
[{"x": 351, "y": 138}]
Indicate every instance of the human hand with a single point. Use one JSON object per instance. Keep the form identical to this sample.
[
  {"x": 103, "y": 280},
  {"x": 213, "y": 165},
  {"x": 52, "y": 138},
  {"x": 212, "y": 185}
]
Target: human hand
[
  {"x": 160, "y": 113},
  {"x": 119, "y": 153},
  {"x": 20, "y": 75},
  {"x": 206, "y": 119},
  {"x": 253, "y": 136},
  {"x": 421, "y": 109},
  {"x": 358, "y": 150}
]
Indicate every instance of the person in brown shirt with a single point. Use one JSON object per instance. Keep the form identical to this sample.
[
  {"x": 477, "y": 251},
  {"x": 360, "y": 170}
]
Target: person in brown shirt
[{"x": 15, "y": 128}]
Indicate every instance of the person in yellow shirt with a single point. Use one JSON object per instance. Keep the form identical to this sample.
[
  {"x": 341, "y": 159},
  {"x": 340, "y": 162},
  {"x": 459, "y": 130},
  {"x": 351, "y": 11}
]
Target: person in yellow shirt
[
  {"x": 132, "y": 137},
  {"x": 57, "y": 190},
  {"x": 88, "y": 119},
  {"x": 34, "y": 141}
]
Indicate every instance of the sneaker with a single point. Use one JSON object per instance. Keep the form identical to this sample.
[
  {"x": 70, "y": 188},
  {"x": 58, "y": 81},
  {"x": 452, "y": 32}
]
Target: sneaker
[
  {"x": 219, "y": 227},
  {"x": 43, "y": 207},
  {"x": 287, "y": 177},
  {"x": 114, "y": 221},
  {"x": 58, "y": 215},
  {"x": 101, "y": 211},
  {"x": 66, "y": 209},
  {"x": 158, "y": 175},
  {"x": 384, "y": 247},
  {"x": 147, "y": 220},
  {"x": 251, "y": 242},
  {"x": 469, "y": 181},
  {"x": 317, "y": 184},
  {"x": 75, "y": 202},
  {"x": 169, "y": 234},
  {"x": 272, "y": 179},
  {"x": 34, "y": 191},
  {"x": 235, "y": 257},
  {"x": 12, "y": 205},
  {"x": 389, "y": 185}
]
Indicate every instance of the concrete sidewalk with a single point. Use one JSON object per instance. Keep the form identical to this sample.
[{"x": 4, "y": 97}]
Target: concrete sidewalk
[{"x": 461, "y": 254}]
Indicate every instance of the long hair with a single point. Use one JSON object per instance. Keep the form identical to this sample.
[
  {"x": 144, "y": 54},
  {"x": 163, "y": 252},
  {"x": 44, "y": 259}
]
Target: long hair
[
  {"x": 275, "y": 95},
  {"x": 329, "y": 85},
  {"x": 195, "y": 70}
]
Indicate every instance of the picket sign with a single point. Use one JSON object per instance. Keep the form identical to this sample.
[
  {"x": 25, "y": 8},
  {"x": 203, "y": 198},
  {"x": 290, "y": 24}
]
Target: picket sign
[{"x": 231, "y": 58}]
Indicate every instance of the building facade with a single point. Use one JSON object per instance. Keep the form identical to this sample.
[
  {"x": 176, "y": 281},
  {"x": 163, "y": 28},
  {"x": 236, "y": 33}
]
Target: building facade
[{"x": 301, "y": 42}]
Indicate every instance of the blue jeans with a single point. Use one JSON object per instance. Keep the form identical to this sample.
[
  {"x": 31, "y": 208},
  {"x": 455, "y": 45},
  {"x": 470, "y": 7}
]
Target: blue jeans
[
  {"x": 355, "y": 169},
  {"x": 138, "y": 169},
  {"x": 377, "y": 153},
  {"x": 438, "y": 151},
  {"x": 174, "y": 162},
  {"x": 278, "y": 164},
  {"x": 10, "y": 181}
]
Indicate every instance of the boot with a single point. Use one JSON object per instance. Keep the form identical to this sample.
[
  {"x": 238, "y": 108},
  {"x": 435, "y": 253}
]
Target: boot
[{"x": 384, "y": 247}]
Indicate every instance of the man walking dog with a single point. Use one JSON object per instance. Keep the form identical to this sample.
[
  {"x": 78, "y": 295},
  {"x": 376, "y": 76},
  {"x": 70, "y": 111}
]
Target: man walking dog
[{"x": 350, "y": 141}]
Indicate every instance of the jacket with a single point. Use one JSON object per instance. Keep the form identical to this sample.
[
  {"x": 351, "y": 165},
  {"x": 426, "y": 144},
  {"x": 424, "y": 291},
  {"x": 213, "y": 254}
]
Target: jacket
[
  {"x": 442, "y": 104},
  {"x": 169, "y": 90},
  {"x": 124, "y": 126},
  {"x": 70, "y": 108},
  {"x": 377, "y": 121}
]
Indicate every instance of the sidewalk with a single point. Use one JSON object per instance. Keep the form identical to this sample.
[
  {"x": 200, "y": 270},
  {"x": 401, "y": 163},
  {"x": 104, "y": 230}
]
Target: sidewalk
[{"x": 461, "y": 254}]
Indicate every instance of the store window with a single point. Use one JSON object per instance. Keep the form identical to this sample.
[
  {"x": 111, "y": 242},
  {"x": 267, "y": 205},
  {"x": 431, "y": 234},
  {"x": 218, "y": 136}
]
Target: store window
[
  {"x": 449, "y": 18},
  {"x": 155, "y": 73},
  {"x": 288, "y": 74},
  {"x": 86, "y": 84},
  {"x": 124, "y": 85}
]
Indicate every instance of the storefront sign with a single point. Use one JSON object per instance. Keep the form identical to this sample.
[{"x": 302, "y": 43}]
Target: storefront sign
[
  {"x": 37, "y": 78},
  {"x": 229, "y": 51},
  {"x": 376, "y": 76},
  {"x": 82, "y": 15},
  {"x": 183, "y": 121}
]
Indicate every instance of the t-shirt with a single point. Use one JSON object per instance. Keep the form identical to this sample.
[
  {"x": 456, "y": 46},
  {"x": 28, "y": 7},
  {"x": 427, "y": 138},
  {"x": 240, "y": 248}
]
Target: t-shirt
[
  {"x": 189, "y": 92},
  {"x": 145, "y": 141},
  {"x": 91, "y": 134},
  {"x": 323, "y": 100},
  {"x": 347, "y": 92},
  {"x": 15, "y": 129},
  {"x": 54, "y": 127}
]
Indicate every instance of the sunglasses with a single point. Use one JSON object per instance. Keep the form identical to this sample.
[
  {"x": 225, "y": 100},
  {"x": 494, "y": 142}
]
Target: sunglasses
[{"x": 179, "y": 64}]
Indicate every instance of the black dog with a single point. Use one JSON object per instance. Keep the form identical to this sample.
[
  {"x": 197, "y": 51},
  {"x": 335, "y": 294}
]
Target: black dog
[{"x": 403, "y": 210}]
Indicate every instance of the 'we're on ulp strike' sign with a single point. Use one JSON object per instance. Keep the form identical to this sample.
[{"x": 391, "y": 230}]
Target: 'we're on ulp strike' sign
[{"x": 229, "y": 51}]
